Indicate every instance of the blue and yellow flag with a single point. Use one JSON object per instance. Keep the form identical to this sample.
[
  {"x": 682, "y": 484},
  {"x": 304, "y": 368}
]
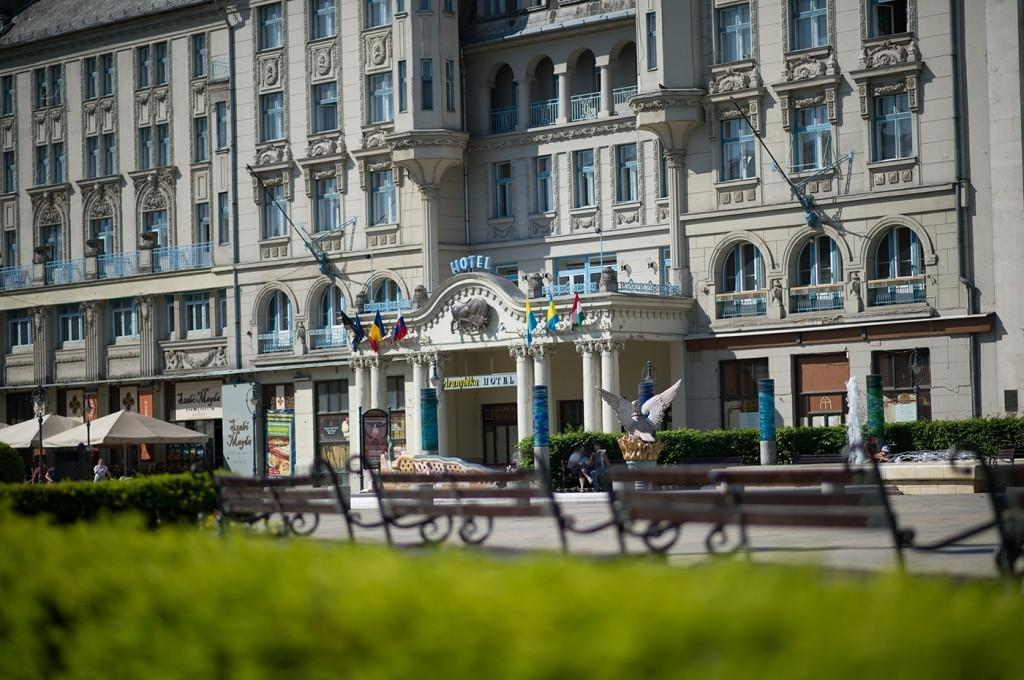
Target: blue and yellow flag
[
  {"x": 552, "y": 317},
  {"x": 531, "y": 323}
]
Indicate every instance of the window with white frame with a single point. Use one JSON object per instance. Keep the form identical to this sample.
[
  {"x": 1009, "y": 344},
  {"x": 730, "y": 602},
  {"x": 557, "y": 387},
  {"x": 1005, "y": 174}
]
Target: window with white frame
[
  {"x": 889, "y": 17},
  {"x": 223, "y": 219},
  {"x": 379, "y": 87},
  {"x": 199, "y": 64},
  {"x": 48, "y": 86},
  {"x": 10, "y": 247},
  {"x": 107, "y": 74},
  {"x": 270, "y": 26},
  {"x": 220, "y": 122},
  {"x": 386, "y": 290},
  {"x": 145, "y": 148},
  {"x": 819, "y": 263},
  {"x": 49, "y": 164},
  {"x": 160, "y": 64},
  {"x": 583, "y": 171},
  {"x": 894, "y": 137},
  {"x": 383, "y": 201},
  {"x": 271, "y": 116},
  {"x": 200, "y": 139},
  {"x": 19, "y": 328},
  {"x": 508, "y": 271},
  {"x": 274, "y": 207},
  {"x": 427, "y": 84},
  {"x": 323, "y": 22},
  {"x": 328, "y": 205},
  {"x": 651, "y": 24},
  {"x": 737, "y": 141},
  {"x": 743, "y": 269},
  {"x": 6, "y": 95},
  {"x": 196, "y": 308},
  {"x": 52, "y": 236},
  {"x": 143, "y": 66},
  {"x": 332, "y": 303},
  {"x": 156, "y": 221},
  {"x": 70, "y": 327},
  {"x": 582, "y": 273},
  {"x": 733, "y": 33},
  {"x": 626, "y": 189},
  {"x": 222, "y": 310},
  {"x": 403, "y": 104},
  {"x": 543, "y": 187},
  {"x": 90, "y": 77},
  {"x": 502, "y": 174},
  {"x": 812, "y": 138},
  {"x": 122, "y": 319},
  {"x": 154, "y": 152},
  {"x": 102, "y": 229},
  {"x": 898, "y": 254},
  {"x": 378, "y": 13},
  {"x": 449, "y": 84},
  {"x": 10, "y": 184},
  {"x": 203, "y": 229},
  {"x": 809, "y": 21},
  {"x": 325, "y": 107}
]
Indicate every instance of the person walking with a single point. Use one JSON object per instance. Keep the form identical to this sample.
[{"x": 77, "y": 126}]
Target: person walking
[{"x": 100, "y": 472}]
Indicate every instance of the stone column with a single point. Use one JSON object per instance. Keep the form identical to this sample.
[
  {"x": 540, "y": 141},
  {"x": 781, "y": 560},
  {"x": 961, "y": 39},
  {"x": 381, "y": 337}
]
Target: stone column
[
  {"x": 94, "y": 340},
  {"x": 148, "y": 347},
  {"x": 678, "y": 246},
  {"x": 443, "y": 445},
  {"x": 42, "y": 352},
  {"x": 378, "y": 382},
  {"x": 563, "y": 73},
  {"x": 591, "y": 417},
  {"x": 609, "y": 381},
  {"x": 431, "y": 249},
  {"x": 359, "y": 365},
  {"x": 413, "y": 426},
  {"x": 523, "y": 103},
  {"x": 604, "y": 64},
  {"x": 524, "y": 381}
]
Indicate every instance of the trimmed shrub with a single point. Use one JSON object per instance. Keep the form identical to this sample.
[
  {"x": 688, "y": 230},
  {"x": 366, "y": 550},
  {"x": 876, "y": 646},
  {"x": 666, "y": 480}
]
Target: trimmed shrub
[
  {"x": 99, "y": 601},
  {"x": 12, "y": 469},
  {"x": 160, "y": 499}
]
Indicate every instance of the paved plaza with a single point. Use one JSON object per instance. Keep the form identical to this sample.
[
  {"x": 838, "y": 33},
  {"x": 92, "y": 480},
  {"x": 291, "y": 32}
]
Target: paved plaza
[{"x": 932, "y": 517}]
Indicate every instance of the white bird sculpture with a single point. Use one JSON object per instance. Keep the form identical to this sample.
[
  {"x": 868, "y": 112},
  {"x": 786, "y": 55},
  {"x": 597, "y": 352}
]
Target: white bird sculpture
[{"x": 642, "y": 421}]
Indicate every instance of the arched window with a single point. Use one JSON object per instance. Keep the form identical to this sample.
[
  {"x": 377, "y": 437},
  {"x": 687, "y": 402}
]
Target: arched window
[
  {"x": 386, "y": 290},
  {"x": 743, "y": 269},
  {"x": 277, "y": 324},
  {"x": 898, "y": 254},
  {"x": 544, "y": 94},
  {"x": 819, "y": 263},
  {"x": 504, "y": 97},
  {"x": 330, "y": 331}
]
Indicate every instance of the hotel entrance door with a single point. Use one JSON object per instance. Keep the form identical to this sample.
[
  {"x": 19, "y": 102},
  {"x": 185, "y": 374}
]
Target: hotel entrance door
[{"x": 500, "y": 433}]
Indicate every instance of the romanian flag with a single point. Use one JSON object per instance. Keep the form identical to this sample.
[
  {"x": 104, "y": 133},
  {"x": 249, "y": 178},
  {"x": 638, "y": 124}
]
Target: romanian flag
[
  {"x": 576, "y": 312},
  {"x": 376, "y": 332},
  {"x": 357, "y": 330},
  {"x": 399, "y": 331},
  {"x": 531, "y": 323},
  {"x": 552, "y": 316}
]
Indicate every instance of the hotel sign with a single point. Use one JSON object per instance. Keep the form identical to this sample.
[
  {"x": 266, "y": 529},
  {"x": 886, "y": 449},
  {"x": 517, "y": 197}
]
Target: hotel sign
[
  {"x": 477, "y": 382},
  {"x": 471, "y": 263}
]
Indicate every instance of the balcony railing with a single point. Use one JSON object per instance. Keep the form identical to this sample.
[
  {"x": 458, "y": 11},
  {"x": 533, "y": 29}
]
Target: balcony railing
[
  {"x": 902, "y": 291},
  {"x": 563, "y": 289},
  {"x": 324, "y": 338},
  {"x": 585, "y": 106},
  {"x": 177, "y": 258},
  {"x": 275, "y": 341},
  {"x": 503, "y": 120},
  {"x": 65, "y": 271},
  {"x": 650, "y": 288},
  {"x": 543, "y": 113},
  {"x": 388, "y": 306},
  {"x": 12, "y": 278},
  {"x": 220, "y": 67},
  {"x": 747, "y": 303},
  {"x": 620, "y": 96},
  {"x": 117, "y": 265},
  {"x": 816, "y": 298}
]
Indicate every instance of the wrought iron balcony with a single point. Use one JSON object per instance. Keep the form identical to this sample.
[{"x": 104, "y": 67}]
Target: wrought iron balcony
[
  {"x": 585, "y": 106},
  {"x": 901, "y": 291},
  {"x": 746, "y": 303},
  {"x": 178, "y": 258},
  {"x": 325, "y": 338},
  {"x": 620, "y": 97},
  {"x": 504, "y": 120},
  {"x": 13, "y": 278},
  {"x": 117, "y": 265},
  {"x": 543, "y": 113},
  {"x": 388, "y": 306},
  {"x": 816, "y": 298},
  {"x": 275, "y": 341},
  {"x": 65, "y": 271},
  {"x": 563, "y": 289},
  {"x": 650, "y": 288}
]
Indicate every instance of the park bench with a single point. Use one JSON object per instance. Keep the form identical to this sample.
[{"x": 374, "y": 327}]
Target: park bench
[
  {"x": 828, "y": 498},
  {"x": 297, "y": 501},
  {"x": 819, "y": 459}
]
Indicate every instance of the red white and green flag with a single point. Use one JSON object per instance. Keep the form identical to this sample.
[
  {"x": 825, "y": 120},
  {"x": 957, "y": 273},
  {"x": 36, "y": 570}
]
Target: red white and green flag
[{"x": 576, "y": 312}]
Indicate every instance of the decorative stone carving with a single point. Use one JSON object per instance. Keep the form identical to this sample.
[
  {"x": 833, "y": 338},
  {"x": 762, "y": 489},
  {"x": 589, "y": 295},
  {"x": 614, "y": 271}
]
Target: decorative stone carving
[
  {"x": 540, "y": 227},
  {"x": 273, "y": 154},
  {"x": 412, "y": 140},
  {"x": 178, "y": 360},
  {"x": 627, "y": 217},
  {"x": 730, "y": 80},
  {"x": 321, "y": 60},
  {"x": 325, "y": 146},
  {"x": 583, "y": 222},
  {"x": 419, "y": 296},
  {"x": 888, "y": 53},
  {"x": 269, "y": 70},
  {"x": 501, "y": 231},
  {"x": 89, "y": 313},
  {"x": 660, "y": 101},
  {"x": 472, "y": 316},
  {"x": 553, "y": 135},
  {"x": 377, "y": 48},
  {"x": 805, "y": 67},
  {"x": 374, "y": 137}
]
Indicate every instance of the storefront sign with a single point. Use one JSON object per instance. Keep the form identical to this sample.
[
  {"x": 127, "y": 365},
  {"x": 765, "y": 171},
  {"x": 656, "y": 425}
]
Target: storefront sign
[
  {"x": 374, "y": 432},
  {"x": 280, "y": 444},
  {"x": 237, "y": 433},
  {"x": 476, "y": 382},
  {"x": 471, "y": 263},
  {"x": 197, "y": 400}
]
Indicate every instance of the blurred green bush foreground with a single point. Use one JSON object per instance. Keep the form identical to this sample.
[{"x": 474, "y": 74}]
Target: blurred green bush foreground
[{"x": 95, "y": 600}]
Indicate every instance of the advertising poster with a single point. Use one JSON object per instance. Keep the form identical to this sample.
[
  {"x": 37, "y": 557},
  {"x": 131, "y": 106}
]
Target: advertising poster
[
  {"x": 375, "y": 437},
  {"x": 237, "y": 433},
  {"x": 280, "y": 444}
]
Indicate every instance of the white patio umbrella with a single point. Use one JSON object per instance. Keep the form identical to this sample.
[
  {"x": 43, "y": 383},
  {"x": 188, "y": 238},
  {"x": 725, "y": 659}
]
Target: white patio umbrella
[{"x": 25, "y": 435}]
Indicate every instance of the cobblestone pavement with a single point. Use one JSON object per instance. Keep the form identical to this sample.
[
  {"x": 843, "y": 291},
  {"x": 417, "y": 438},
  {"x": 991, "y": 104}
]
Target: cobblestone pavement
[{"x": 932, "y": 517}]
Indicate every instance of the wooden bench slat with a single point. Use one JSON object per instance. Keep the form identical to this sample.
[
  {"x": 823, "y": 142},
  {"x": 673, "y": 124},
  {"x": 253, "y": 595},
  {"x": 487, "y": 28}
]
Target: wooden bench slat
[
  {"x": 795, "y": 476},
  {"x": 716, "y": 497},
  {"x": 467, "y": 477},
  {"x": 448, "y": 492},
  {"x": 761, "y": 516},
  {"x": 663, "y": 475},
  {"x": 469, "y": 509}
]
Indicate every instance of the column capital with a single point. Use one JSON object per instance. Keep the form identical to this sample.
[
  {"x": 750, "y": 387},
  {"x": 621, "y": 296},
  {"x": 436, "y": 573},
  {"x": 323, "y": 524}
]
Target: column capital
[
  {"x": 542, "y": 351},
  {"x": 360, "y": 361},
  {"x": 519, "y": 351},
  {"x": 377, "y": 361},
  {"x": 609, "y": 346},
  {"x": 676, "y": 158},
  {"x": 586, "y": 346},
  {"x": 429, "y": 191}
]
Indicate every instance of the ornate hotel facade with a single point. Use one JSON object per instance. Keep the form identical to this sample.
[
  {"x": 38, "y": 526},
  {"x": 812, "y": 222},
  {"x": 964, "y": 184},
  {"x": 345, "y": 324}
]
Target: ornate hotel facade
[{"x": 192, "y": 193}]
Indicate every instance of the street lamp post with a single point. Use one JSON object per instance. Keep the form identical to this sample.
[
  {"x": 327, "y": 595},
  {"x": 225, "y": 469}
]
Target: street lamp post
[
  {"x": 39, "y": 408},
  {"x": 916, "y": 364},
  {"x": 87, "y": 413},
  {"x": 253, "y": 403}
]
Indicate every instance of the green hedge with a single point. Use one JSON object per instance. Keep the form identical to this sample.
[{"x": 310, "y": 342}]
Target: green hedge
[
  {"x": 160, "y": 499},
  {"x": 12, "y": 468},
  {"x": 988, "y": 435},
  {"x": 99, "y": 601}
]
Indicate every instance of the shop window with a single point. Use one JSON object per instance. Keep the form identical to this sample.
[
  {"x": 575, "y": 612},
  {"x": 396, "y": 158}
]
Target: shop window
[
  {"x": 739, "y": 391},
  {"x": 332, "y": 425},
  {"x": 396, "y": 405},
  {"x": 901, "y": 371},
  {"x": 570, "y": 415},
  {"x": 821, "y": 389}
]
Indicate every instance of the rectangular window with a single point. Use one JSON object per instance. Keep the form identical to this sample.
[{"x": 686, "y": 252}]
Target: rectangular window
[
  {"x": 652, "y": 40},
  {"x": 396, "y": 393},
  {"x": 424, "y": 5},
  {"x": 662, "y": 172},
  {"x": 222, "y": 310},
  {"x": 52, "y": 239},
  {"x": 733, "y": 33},
  {"x": 90, "y": 77},
  {"x": 39, "y": 88},
  {"x": 812, "y": 138},
  {"x": 399, "y": 6},
  {"x": 108, "y": 145},
  {"x": 271, "y": 26},
  {"x": 102, "y": 230},
  {"x": 328, "y": 205},
  {"x": 92, "y": 156},
  {"x": 809, "y": 23},
  {"x": 163, "y": 145},
  {"x": 894, "y": 137},
  {"x": 156, "y": 222},
  {"x": 145, "y": 148},
  {"x": 203, "y": 234},
  {"x": 583, "y": 166},
  {"x": 143, "y": 66},
  {"x": 449, "y": 5},
  {"x": 403, "y": 104},
  {"x": 19, "y": 328},
  {"x": 737, "y": 150},
  {"x": 169, "y": 304},
  {"x": 739, "y": 392},
  {"x": 107, "y": 61},
  {"x": 59, "y": 173},
  {"x": 626, "y": 173},
  {"x": 427, "y": 84},
  {"x": 200, "y": 139},
  {"x": 10, "y": 184},
  {"x": 274, "y": 210},
  {"x": 898, "y": 380},
  {"x": 378, "y": 13},
  {"x": 122, "y": 318},
  {"x": 197, "y": 312},
  {"x": 6, "y": 95},
  {"x": 582, "y": 273},
  {"x": 199, "y": 55},
  {"x": 42, "y": 165},
  {"x": 271, "y": 116},
  {"x": 223, "y": 221},
  {"x": 220, "y": 121},
  {"x": 325, "y": 107},
  {"x": 69, "y": 323},
  {"x": 379, "y": 86},
  {"x": 449, "y": 84},
  {"x": 888, "y": 17},
  {"x": 543, "y": 198},
  {"x": 323, "y": 20},
  {"x": 508, "y": 271},
  {"x": 56, "y": 85},
  {"x": 383, "y": 203},
  {"x": 493, "y": 8},
  {"x": 160, "y": 51},
  {"x": 503, "y": 189}
]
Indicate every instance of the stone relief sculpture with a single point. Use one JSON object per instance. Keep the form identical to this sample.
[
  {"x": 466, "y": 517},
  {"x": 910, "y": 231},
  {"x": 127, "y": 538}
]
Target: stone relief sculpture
[{"x": 471, "y": 316}]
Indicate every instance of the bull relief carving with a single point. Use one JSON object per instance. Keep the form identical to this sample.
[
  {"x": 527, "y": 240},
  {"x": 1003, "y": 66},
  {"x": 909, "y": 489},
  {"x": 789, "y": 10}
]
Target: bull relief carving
[{"x": 472, "y": 316}]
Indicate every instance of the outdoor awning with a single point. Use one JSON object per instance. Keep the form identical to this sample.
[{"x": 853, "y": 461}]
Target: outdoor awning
[
  {"x": 25, "y": 435},
  {"x": 127, "y": 427}
]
